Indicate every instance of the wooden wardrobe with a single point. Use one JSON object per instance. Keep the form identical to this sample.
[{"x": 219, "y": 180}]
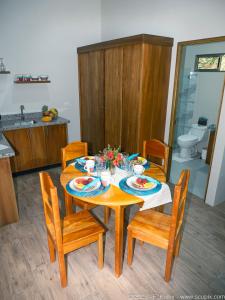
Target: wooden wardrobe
[{"x": 123, "y": 87}]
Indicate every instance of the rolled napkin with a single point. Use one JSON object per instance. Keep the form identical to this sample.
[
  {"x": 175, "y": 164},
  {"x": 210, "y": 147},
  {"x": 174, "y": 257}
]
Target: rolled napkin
[
  {"x": 92, "y": 183},
  {"x": 81, "y": 161},
  {"x": 132, "y": 156}
]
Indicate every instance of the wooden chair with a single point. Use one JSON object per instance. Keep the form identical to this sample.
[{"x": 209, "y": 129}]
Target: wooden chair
[
  {"x": 161, "y": 230},
  {"x": 71, "y": 151},
  {"x": 73, "y": 232},
  {"x": 156, "y": 149}
]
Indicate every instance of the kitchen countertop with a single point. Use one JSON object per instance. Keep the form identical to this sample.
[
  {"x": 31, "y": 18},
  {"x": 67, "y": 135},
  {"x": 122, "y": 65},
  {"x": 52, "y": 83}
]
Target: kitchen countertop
[
  {"x": 8, "y": 152},
  {"x": 13, "y": 122}
]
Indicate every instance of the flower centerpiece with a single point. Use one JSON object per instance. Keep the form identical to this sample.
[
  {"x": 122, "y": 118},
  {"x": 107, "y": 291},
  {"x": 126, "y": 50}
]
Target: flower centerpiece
[{"x": 112, "y": 156}]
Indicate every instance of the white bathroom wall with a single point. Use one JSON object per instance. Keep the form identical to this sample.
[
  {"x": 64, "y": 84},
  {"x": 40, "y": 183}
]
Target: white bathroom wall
[
  {"x": 41, "y": 37},
  {"x": 209, "y": 84}
]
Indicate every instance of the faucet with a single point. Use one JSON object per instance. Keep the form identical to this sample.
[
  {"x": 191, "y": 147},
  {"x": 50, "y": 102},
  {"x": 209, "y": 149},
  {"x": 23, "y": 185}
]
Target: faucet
[{"x": 22, "y": 114}]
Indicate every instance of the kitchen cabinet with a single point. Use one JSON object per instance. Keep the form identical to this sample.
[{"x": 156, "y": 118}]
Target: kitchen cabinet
[
  {"x": 56, "y": 139},
  {"x": 123, "y": 91},
  {"x": 37, "y": 146}
]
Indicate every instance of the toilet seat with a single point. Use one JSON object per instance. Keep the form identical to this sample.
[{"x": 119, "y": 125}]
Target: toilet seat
[{"x": 188, "y": 138}]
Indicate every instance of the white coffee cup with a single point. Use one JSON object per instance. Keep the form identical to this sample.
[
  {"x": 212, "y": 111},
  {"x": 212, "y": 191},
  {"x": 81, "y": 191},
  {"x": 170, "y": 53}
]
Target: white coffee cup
[
  {"x": 105, "y": 178},
  {"x": 89, "y": 166},
  {"x": 138, "y": 169}
]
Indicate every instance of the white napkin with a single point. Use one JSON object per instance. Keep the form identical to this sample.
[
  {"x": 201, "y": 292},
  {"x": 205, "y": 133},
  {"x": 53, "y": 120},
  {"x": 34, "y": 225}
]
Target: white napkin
[{"x": 159, "y": 198}]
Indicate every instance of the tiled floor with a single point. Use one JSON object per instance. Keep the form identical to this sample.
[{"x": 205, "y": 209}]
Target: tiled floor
[{"x": 199, "y": 175}]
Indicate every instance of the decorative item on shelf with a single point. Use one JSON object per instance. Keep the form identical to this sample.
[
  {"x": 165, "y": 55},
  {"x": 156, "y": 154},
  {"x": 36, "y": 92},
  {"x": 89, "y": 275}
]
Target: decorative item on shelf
[
  {"x": 49, "y": 114},
  {"x": 43, "y": 77},
  {"x": 2, "y": 67},
  {"x": 28, "y": 78}
]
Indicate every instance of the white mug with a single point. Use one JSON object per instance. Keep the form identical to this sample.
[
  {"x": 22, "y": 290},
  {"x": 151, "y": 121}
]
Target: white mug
[
  {"x": 89, "y": 166},
  {"x": 138, "y": 169},
  {"x": 105, "y": 178}
]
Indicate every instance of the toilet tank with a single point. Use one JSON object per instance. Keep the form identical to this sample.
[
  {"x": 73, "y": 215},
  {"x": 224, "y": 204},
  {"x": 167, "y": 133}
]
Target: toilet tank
[{"x": 198, "y": 131}]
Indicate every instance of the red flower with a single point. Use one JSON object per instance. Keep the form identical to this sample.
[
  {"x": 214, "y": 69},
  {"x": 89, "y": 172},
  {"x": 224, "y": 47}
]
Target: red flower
[
  {"x": 119, "y": 156},
  {"x": 110, "y": 155}
]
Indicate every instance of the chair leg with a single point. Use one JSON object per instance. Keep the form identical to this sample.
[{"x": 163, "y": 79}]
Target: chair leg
[
  {"x": 169, "y": 264},
  {"x": 100, "y": 251},
  {"x": 51, "y": 249},
  {"x": 107, "y": 213},
  {"x": 141, "y": 243},
  {"x": 177, "y": 247},
  {"x": 130, "y": 248},
  {"x": 62, "y": 270},
  {"x": 159, "y": 208}
]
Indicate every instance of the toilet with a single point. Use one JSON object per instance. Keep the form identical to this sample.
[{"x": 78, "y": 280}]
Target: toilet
[{"x": 188, "y": 142}]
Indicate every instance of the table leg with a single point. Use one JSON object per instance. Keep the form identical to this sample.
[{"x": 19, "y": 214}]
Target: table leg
[
  {"x": 119, "y": 223},
  {"x": 68, "y": 204}
]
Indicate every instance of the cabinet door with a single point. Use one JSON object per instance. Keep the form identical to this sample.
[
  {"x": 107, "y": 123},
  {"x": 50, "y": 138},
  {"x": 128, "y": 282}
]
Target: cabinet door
[
  {"x": 113, "y": 95},
  {"x": 22, "y": 147},
  {"x": 9, "y": 134},
  {"x": 38, "y": 146},
  {"x": 92, "y": 108},
  {"x": 56, "y": 138},
  {"x": 131, "y": 112}
]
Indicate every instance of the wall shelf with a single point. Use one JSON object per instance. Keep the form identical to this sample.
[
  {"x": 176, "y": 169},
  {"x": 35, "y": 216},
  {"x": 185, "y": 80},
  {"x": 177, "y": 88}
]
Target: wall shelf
[
  {"x": 33, "y": 81},
  {"x": 5, "y": 72}
]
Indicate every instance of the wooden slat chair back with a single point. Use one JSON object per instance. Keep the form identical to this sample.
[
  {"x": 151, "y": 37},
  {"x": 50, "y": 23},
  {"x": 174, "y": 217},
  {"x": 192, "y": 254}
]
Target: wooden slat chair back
[
  {"x": 72, "y": 232},
  {"x": 73, "y": 150},
  {"x": 157, "y": 152},
  {"x": 70, "y": 152},
  {"x": 159, "y": 229},
  {"x": 51, "y": 208}
]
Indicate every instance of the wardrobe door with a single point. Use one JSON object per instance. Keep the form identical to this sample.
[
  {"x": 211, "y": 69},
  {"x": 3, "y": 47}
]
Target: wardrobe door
[
  {"x": 155, "y": 74},
  {"x": 113, "y": 95},
  {"x": 92, "y": 109},
  {"x": 132, "y": 65}
]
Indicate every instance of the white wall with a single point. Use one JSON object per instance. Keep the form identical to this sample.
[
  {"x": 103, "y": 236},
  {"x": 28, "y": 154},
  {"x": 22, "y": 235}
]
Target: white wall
[
  {"x": 181, "y": 19},
  {"x": 209, "y": 84},
  {"x": 216, "y": 187},
  {"x": 41, "y": 37}
]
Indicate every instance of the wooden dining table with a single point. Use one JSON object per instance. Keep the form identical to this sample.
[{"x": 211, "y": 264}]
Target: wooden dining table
[{"x": 114, "y": 198}]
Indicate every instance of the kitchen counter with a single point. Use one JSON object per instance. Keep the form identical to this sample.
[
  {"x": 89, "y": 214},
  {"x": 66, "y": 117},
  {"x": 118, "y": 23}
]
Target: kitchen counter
[
  {"x": 7, "y": 152},
  {"x": 13, "y": 122},
  {"x": 9, "y": 122},
  {"x": 22, "y": 148}
]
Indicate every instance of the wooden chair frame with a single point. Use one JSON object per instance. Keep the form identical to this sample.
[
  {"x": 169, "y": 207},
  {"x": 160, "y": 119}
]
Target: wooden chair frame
[
  {"x": 174, "y": 221},
  {"x": 55, "y": 228},
  {"x": 71, "y": 151},
  {"x": 157, "y": 149}
]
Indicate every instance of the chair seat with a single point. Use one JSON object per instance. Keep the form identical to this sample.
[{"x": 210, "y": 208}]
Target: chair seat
[
  {"x": 80, "y": 229},
  {"x": 151, "y": 226}
]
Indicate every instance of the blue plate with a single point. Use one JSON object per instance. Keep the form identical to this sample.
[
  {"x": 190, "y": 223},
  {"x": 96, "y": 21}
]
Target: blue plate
[
  {"x": 99, "y": 191},
  {"x": 124, "y": 187}
]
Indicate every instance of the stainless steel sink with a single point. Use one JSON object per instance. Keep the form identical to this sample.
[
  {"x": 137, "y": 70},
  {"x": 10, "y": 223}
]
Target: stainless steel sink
[{"x": 24, "y": 122}]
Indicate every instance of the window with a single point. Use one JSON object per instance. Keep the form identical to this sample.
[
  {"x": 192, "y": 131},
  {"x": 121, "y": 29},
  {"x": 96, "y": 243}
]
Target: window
[{"x": 210, "y": 62}]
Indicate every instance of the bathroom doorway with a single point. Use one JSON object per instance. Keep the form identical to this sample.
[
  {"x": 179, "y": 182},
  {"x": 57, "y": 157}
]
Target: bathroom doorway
[{"x": 199, "y": 81}]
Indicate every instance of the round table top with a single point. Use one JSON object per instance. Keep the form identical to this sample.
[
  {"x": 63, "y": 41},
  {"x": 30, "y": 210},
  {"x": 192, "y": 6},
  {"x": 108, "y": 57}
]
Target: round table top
[{"x": 114, "y": 196}]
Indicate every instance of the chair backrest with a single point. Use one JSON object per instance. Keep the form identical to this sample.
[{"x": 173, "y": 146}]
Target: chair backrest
[
  {"x": 72, "y": 151},
  {"x": 157, "y": 149},
  {"x": 179, "y": 201},
  {"x": 51, "y": 209}
]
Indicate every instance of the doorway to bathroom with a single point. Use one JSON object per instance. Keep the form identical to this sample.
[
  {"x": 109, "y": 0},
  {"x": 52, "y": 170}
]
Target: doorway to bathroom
[{"x": 199, "y": 81}]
